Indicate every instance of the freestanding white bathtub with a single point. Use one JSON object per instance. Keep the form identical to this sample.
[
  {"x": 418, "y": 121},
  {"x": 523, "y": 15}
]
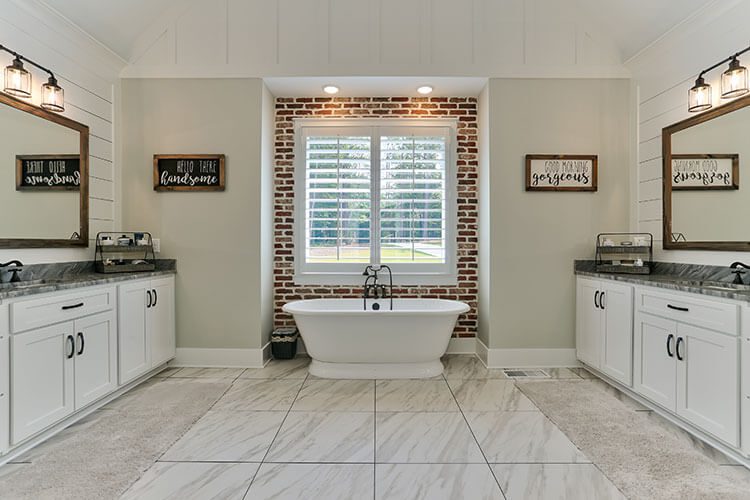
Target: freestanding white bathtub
[{"x": 345, "y": 341}]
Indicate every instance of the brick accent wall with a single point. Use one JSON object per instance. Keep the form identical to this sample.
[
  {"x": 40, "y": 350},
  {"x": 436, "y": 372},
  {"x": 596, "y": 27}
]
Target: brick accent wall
[{"x": 462, "y": 108}]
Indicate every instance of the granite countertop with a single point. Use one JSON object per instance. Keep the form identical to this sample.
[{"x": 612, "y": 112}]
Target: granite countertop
[
  {"x": 714, "y": 281},
  {"x": 46, "y": 278}
]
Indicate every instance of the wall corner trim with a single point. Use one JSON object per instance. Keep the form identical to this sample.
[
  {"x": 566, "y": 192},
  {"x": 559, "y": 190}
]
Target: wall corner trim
[{"x": 225, "y": 358}]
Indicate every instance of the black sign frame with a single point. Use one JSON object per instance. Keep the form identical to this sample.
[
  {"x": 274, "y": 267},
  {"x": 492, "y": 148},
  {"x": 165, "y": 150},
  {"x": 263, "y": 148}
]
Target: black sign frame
[
  {"x": 22, "y": 172},
  {"x": 164, "y": 164}
]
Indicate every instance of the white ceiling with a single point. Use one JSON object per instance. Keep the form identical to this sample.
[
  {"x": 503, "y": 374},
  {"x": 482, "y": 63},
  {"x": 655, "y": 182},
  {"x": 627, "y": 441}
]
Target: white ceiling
[
  {"x": 634, "y": 24},
  {"x": 118, "y": 24},
  {"x": 355, "y": 86}
]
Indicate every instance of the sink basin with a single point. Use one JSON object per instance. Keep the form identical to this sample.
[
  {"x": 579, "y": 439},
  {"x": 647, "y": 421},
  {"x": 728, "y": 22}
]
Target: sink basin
[
  {"x": 716, "y": 285},
  {"x": 27, "y": 283}
]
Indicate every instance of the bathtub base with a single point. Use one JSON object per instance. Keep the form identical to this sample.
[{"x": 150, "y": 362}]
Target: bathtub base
[{"x": 324, "y": 369}]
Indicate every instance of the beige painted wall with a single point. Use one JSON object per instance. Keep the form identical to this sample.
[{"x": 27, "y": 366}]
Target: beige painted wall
[
  {"x": 536, "y": 236},
  {"x": 214, "y": 236}
]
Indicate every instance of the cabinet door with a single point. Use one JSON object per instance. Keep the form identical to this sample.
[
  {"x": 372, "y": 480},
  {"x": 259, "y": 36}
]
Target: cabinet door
[
  {"x": 161, "y": 321},
  {"x": 4, "y": 381},
  {"x": 134, "y": 343},
  {"x": 41, "y": 379},
  {"x": 708, "y": 393},
  {"x": 588, "y": 322},
  {"x": 96, "y": 358},
  {"x": 655, "y": 369},
  {"x": 617, "y": 338}
]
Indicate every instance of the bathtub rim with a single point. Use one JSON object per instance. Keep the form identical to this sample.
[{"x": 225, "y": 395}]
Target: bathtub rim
[{"x": 457, "y": 308}]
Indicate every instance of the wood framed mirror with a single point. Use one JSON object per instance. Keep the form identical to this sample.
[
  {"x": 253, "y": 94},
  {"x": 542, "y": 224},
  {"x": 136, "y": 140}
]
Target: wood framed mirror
[
  {"x": 44, "y": 178},
  {"x": 706, "y": 180}
]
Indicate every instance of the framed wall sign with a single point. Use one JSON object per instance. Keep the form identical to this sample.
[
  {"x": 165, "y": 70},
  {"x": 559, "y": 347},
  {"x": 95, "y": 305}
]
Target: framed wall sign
[
  {"x": 189, "y": 172},
  {"x": 561, "y": 172},
  {"x": 706, "y": 171},
  {"x": 48, "y": 172}
]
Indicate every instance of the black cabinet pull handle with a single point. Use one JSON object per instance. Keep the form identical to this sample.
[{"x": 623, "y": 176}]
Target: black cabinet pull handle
[
  {"x": 74, "y": 306},
  {"x": 596, "y": 299},
  {"x": 680, "y": 340},
  {"x": 82, "y": 342},
  {"x": 156, "y": 297},
  {"x": 601, "y": 301},
  {"x": 677, "y": 308},
  {"x": 148, "y": 294},
  {"x": 670, "y": 338},
  {"x": 71, "y": 347}
]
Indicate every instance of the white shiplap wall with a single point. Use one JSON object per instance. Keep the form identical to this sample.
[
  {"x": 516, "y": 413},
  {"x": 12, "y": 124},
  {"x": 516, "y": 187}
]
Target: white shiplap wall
[
  {"x": 265, "y": 38},
  {"x": 663, "y": 74},
  {"x": 89, "y": 74}
]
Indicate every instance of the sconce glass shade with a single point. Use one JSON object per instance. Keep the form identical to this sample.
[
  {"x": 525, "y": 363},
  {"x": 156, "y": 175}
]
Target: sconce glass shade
[
  {"x": 53, "y": 96},
  {"x": 17, "y": 79},
  {"x": 699, "y": 97},
  {"x": 734, "y": 80}
]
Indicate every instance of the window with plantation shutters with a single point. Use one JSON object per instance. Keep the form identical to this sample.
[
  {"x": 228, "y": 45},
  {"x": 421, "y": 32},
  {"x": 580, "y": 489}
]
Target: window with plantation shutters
[{"x": 375, "y": 194}]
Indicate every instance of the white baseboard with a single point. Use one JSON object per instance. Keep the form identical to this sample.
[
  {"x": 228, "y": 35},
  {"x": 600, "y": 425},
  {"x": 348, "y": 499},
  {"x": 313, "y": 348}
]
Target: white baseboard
[
  {"x": 493, "y": 358},
  {"x": 229, "y": 358},
  {"x": 462, "y": 346},
  {"x": 531, "y": 358}
]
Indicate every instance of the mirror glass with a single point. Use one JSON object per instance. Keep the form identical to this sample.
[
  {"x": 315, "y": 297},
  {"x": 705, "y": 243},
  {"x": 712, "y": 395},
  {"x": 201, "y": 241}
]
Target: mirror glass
[
  {"x": 709, "y": 180},
  {"x": 40, "y": 178}
]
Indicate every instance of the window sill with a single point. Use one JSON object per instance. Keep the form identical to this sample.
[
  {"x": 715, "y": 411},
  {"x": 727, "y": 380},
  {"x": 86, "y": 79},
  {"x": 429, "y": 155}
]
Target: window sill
[{"x": 399, "y": 279}]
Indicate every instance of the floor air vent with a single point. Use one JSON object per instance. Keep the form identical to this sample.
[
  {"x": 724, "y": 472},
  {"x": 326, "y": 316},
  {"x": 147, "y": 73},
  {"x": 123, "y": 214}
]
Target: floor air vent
[{"x": 525, "y": 373}]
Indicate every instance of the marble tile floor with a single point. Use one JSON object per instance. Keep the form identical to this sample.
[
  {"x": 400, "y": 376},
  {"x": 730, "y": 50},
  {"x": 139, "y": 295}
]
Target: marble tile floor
[{"x": 279, "y": 433}]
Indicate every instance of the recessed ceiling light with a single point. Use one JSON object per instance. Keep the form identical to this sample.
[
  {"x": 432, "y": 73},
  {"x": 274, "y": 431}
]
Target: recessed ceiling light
[
  {"x": 331, "y": 89},
  {"x": 424, "y": 89}
]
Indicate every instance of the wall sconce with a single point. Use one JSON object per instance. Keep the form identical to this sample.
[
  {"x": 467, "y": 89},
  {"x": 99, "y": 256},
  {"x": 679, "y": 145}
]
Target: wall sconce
[
  {"x": 734, "y": 80},
  {"x": 18, "y": 83},
  {"x": 699, "y": 97},
  {"x": 734, "y": 83}
]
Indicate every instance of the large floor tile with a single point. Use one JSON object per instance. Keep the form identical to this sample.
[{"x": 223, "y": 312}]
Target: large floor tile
[
  {"x": 435, "y": 482},
  {"x": 562, "y": 373},
  {"x": 280, "y": 368},
  {"x": 179, "y": 481},
  {"x": 529, "y": 437},
  {"x": 583, "y": 373},
  {"x": 554, "y": 481},
  {"x": 312, "y": 481},
  {"x": 336, "y": 395},
  {"x": 414, "y": 395},
  {"x": 258, "y": 395},
  {"x": 460, "y": 366},
  {"x": 490, "y": 395},
  {"x": 324, "y": 437},
  {"x": 227, "y": 436},
  {"x": 208, "y": 372},
  {"x": 425, "y": 438}
]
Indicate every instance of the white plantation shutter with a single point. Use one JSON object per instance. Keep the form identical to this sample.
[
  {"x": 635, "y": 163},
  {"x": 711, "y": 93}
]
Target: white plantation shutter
[
  {"x": 413, "y": 198},
  {"x": 375, "y": 195},
  {"x": 338, "y": 199}
]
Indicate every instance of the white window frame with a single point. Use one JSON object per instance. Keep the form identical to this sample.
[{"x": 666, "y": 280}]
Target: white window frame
[{"x": 351, "y": 274}]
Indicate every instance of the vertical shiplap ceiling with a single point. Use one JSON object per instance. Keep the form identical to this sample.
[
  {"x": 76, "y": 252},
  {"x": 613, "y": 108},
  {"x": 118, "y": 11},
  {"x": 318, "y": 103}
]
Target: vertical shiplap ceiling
[{"x": 632, "y": 24}]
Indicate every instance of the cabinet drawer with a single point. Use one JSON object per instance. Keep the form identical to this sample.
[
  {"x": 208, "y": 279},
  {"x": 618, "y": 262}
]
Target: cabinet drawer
[
  {"x": 711, "y": 314},
  {"x": 35, "y": 313}
]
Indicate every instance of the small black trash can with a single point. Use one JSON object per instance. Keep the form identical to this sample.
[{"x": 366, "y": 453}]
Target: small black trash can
[{"x": 284, "y": 343}]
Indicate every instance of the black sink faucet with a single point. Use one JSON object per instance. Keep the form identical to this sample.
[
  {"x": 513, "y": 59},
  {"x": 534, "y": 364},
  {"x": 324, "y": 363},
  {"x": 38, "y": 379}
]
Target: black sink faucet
[
  {"x": 373, "y": 289},
  {"x": 18, "y": 266},
  {"x": 739, "y": 270}
]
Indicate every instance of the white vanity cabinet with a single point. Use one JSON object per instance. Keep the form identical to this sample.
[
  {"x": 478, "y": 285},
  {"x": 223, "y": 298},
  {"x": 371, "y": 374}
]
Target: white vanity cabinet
[
  {"x": 146, "y": 319},
  {"x": 4, "y": 381},
  {"x": 604, "y": 327},
  {"x": 63, "y": 367},
  {"x": 685, "y": 367}
]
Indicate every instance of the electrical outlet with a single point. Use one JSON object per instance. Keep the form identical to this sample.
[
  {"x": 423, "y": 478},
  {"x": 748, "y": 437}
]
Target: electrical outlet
[{"x": 157, "y": 244}]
